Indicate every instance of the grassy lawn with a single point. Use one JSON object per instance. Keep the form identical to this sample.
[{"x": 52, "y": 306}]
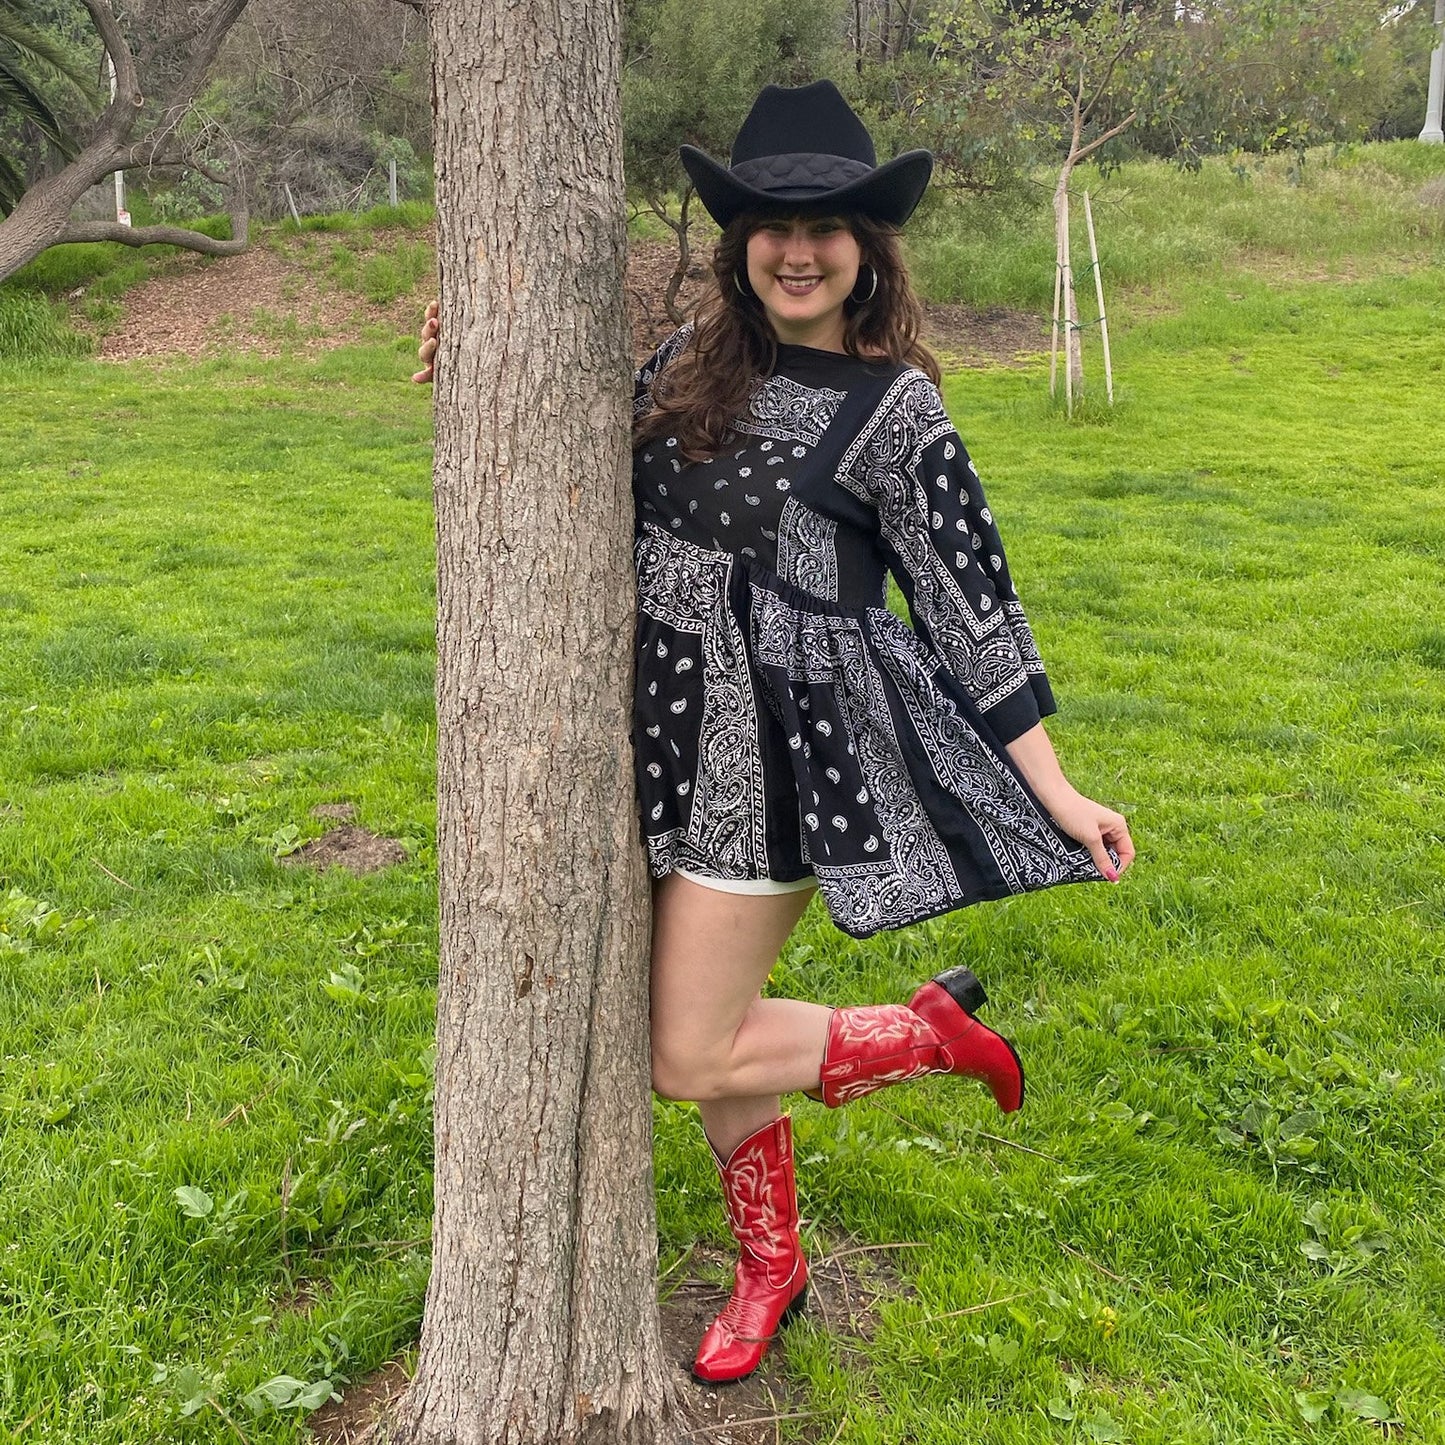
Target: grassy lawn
[{"x": 1221, "y": 1217}]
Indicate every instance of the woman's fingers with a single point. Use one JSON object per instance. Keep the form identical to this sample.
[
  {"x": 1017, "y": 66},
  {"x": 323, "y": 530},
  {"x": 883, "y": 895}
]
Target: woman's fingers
[
  {"x": 1102, "y": 861},
  {"x": 427, "y": 351},
  {"x": 1115, "y": 834}
]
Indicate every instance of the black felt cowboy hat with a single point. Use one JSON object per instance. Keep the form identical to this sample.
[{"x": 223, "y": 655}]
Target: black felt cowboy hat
[{"x": 806, "y": 148}]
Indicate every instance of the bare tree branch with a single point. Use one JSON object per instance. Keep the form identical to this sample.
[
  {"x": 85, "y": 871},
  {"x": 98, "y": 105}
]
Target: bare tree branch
[
  {"x": 127, "y": 83},
  {"x": 152, "y": 236},
  {"x": 1109, "y": 134},
  {"x": 218, "y": 25}
]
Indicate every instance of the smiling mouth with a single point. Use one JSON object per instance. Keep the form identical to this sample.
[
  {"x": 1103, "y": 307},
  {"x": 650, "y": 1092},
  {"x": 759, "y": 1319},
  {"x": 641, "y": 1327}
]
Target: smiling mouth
[{"x": 799, "y": 285}]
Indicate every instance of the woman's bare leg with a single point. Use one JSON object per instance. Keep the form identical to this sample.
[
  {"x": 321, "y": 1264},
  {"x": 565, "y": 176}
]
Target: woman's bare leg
[{"x": 714, "y": 1040}]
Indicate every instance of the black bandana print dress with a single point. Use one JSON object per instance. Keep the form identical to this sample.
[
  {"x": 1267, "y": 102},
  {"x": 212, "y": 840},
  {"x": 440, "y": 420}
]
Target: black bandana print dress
[{"x": 786, "y": 721}]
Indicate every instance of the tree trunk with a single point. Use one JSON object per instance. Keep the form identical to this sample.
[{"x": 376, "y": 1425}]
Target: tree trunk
[
  {"x": 541, "y": 1316},
  {"x": 40, "y": 218},
  {"x": 1073, "y": 350},
  {"x": 676, "y": 281}
]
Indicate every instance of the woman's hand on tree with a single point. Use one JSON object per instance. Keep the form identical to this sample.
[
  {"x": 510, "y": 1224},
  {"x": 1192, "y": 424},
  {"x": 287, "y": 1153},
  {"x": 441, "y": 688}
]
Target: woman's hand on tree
[{"x": 427, "y": 351}]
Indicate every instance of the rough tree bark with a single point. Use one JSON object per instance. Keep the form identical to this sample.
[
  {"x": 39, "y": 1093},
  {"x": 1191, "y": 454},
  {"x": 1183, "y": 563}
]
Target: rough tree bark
[
  {"x": 541, "y": 1316},
  {"x": 41, "y": 217}
]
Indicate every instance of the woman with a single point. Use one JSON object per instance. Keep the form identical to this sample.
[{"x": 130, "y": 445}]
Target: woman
[{"x": 791, "y": 733}]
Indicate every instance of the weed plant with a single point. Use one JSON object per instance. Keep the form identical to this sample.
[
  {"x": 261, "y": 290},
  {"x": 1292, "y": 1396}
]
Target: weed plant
[
  {"x": 33, "y": 327},
  {"x": 1219, "y": 1217}
]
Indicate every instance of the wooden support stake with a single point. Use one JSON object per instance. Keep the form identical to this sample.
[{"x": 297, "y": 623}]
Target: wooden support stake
[
  {"x": 1054, "y": 334},
  {"x": 1099, "y": 292},
  {"x": 391, "y": 182},
  {"x": 1071, "y": 332},
  {"x": 291, "y": 201}
]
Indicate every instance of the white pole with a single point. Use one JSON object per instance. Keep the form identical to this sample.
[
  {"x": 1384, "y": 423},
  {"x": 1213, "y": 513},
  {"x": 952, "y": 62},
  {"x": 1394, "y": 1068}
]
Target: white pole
[
  {"x": 1058, "y": 283},
  {"x": 1099, "y": 292},
  {"x": 121, "y": 214},
  {"x": 1071, "y": 316},
  {"x": 391, "y": 187},
  {"x": 1433, "y": 134}
]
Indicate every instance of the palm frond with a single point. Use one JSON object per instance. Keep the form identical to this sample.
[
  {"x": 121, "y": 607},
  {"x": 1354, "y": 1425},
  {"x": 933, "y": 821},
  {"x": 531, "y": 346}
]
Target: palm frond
[
  {"x": 35, "y": 48},
  {"x": 12, "y": 187},
  {"x": 17, "y": 92}
]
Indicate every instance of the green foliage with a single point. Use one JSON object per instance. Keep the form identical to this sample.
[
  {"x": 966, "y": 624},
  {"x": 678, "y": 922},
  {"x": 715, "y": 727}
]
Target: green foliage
[
  {"x": 693, "y": 67},
  {"x": 394, "y": 272},
  {"x": 42, "y": 80},
  {"x": 408, "y": 215},
  {"x": 1262, "y": 77},
  {"x": 990, "y": 87},
  {"x": 32, "y": 327}
]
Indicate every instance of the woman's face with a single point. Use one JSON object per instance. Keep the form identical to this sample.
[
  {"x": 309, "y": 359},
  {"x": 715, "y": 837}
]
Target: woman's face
[{"x": 802, "y": 269}]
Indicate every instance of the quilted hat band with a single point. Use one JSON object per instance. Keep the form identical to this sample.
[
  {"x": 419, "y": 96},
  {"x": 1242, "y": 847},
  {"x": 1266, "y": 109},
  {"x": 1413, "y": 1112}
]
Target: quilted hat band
[
  {"x": 799, "y": 172},
  {"x": 806, "y": 147}
]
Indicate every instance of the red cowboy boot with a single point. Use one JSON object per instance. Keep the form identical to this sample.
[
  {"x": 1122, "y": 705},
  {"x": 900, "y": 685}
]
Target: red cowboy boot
[
  {"x": 771, "y": 1281},
  {"x": 935, "y": 1033}
]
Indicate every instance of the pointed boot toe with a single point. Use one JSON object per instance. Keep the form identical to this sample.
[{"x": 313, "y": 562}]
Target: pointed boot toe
[
  {"x": 771, "y": 1281},
  {"x": 966, "y": 1046}
]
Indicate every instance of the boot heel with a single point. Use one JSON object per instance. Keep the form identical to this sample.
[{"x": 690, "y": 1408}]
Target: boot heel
[
  {"x": 962, "y": 987},
  {"x": 794, "y": 1309}
]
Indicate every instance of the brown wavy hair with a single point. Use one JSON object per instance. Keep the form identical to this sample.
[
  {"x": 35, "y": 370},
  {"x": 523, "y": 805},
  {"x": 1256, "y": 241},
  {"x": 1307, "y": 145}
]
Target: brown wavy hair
[{"x": 732, "y": 345}]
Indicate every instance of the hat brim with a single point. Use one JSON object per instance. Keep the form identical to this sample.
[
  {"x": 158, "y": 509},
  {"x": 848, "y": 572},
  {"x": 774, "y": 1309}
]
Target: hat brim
[{"x": 889, "y": 192}]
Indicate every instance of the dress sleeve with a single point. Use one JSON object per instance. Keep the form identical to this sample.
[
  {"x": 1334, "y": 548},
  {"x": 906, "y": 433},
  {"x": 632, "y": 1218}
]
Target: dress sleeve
[
  {"x": 943, "y": 548},
  {"x": 653, "y": 367}
]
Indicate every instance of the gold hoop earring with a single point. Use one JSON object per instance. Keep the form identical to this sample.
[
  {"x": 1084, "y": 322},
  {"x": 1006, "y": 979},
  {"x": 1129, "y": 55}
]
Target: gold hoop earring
[{"x": 858, "y": 300}]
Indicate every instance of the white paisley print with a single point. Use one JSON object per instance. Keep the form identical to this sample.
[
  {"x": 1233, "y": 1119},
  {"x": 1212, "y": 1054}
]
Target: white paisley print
[
  {"x": 921, "y": 516},
  {"x": 807, "y": 551},
  {"x": 687, "y": 589},
  {"x": 785, "y": 721},
  {"x": 1029, "y": 852},
  {"x": 782, "y": 409},
  {"x": 911, "y": 865}
]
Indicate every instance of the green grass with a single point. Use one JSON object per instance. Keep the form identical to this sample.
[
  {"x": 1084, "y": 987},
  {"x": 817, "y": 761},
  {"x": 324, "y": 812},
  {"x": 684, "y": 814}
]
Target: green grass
[
  {"x": 1364, "y": 207},
  {"x": 1220, "y": 1214},
  {"x": 406, "y": 215}
]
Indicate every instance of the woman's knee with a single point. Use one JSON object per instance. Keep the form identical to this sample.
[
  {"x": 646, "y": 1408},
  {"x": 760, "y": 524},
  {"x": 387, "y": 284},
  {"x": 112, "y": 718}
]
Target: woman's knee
[
  {"x": 669, "y": 1078},
  {"x": 680, "y": 1072}
]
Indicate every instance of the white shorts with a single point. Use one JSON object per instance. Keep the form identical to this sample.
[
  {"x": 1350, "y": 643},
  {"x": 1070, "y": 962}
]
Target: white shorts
[{"x": 747, "y": 885}]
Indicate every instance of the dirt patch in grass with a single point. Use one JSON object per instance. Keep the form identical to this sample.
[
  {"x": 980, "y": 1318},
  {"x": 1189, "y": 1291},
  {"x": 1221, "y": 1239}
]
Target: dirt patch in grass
[
  {"x": 356, "y": 1417},
  {"x": 279, "y": 298},
  {"x": 276, "y": 298},
  {"x": 843, "y": 1287},
  {"x": 350, "y": 847},
  {"x": 995, "y": 336}
]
